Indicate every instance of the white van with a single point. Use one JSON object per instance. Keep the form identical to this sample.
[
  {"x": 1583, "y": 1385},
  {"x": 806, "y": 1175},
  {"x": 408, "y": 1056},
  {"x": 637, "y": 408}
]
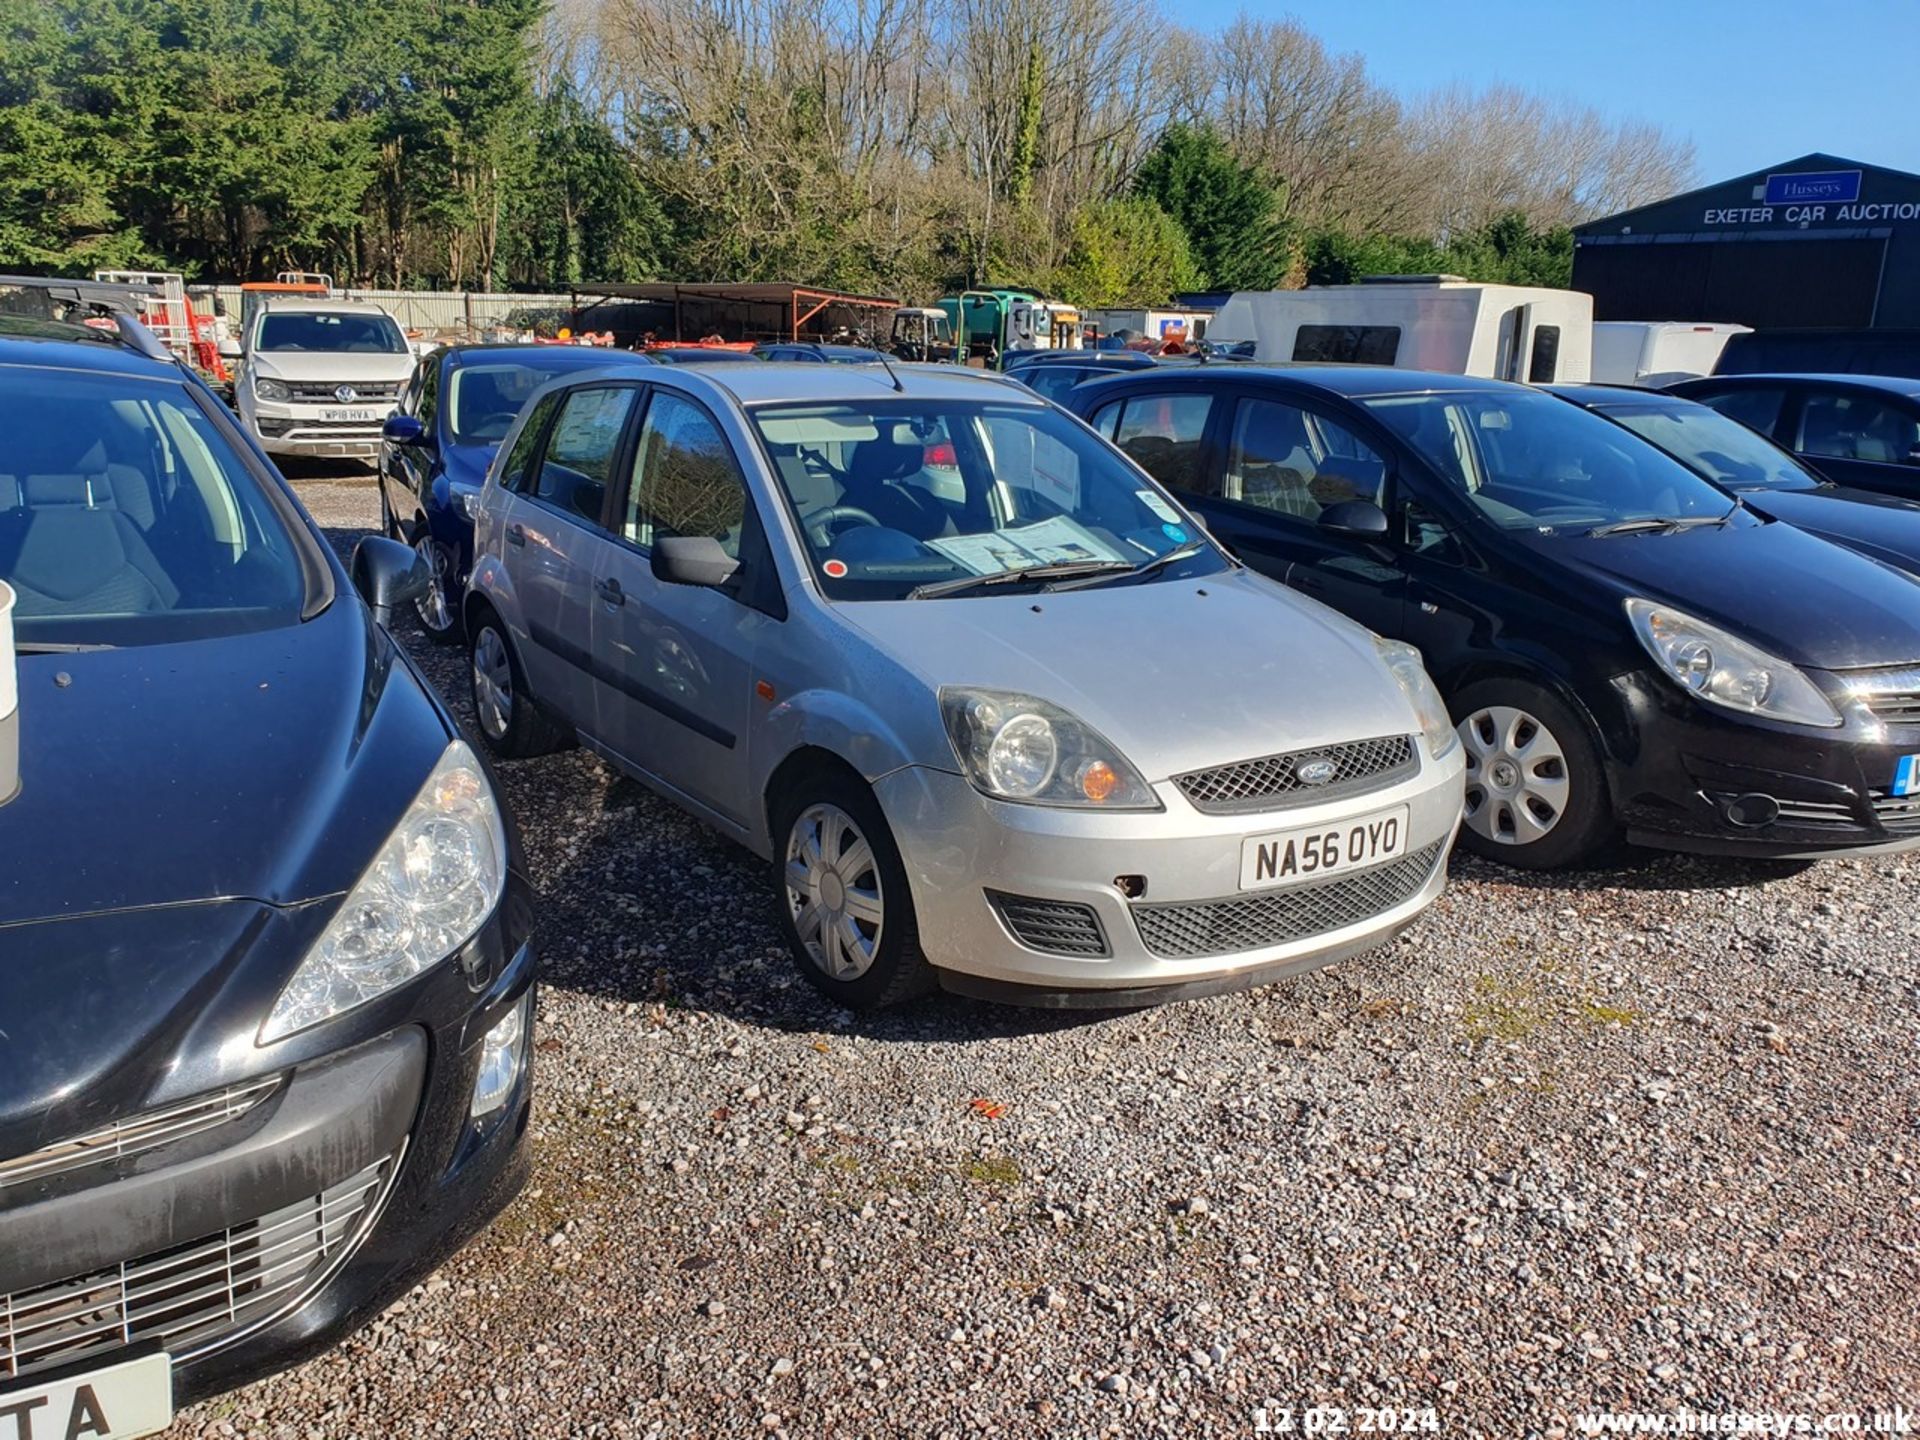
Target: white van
[
  {"x": 319, "y": 376},
  {"x": 1422, "y": 322},
  {"x": 1657, "y": 352}
]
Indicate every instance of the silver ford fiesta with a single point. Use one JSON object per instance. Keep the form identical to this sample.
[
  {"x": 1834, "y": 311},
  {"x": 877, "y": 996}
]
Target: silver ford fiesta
[{"x": 998, "y": 712}]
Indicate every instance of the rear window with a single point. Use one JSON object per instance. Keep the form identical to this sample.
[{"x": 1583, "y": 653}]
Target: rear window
[{"x": 126, "y": 517}]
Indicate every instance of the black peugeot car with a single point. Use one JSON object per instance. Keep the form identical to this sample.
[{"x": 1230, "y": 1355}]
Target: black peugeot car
[
  {"x": 1763, "y": 475},
  {"x": 1859, "y": 430},
  {"x": 266, "y": 985},
  {"x": 1626, "y": 647}
]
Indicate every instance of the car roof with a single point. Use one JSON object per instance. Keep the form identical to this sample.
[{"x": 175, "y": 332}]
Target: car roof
[
  {"x": 806, "y": 381},
  {"x": 1600, "y": 394},
  {"x": 1351, "y": 381},
  {"x": 47, "y": 344},
  {"x": 569, "y": 356},
  {"x": 1891, "y": 384}
]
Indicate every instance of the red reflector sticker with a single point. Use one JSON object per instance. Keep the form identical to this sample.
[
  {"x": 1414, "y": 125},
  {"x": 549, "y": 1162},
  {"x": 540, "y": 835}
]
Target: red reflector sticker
[{"x": 836, "y": 568}]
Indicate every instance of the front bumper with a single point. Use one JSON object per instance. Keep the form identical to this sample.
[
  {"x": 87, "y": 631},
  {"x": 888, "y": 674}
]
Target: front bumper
[
  {"x": 286, "y": 428},
  {"x": 242, "y": 1247},
  {"x": 1679, "y": 769},
  {"x": 977, "y": 865}
]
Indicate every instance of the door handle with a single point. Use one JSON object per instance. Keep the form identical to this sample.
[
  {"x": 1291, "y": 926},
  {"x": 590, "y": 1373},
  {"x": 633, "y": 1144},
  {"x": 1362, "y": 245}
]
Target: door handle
[
  {"x": 610, "y": 591},
  {"x": 516, "y": 535}
]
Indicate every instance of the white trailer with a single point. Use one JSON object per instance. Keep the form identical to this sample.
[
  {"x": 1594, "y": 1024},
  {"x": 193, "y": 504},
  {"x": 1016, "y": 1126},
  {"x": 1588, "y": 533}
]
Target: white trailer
[
  {"x": 1656, "y": 352},
  {"x": 1420, "y": 322}
]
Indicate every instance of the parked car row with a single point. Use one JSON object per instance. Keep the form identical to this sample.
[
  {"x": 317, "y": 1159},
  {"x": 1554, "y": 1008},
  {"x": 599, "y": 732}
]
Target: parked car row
[{"x": 1186, "y": 685}]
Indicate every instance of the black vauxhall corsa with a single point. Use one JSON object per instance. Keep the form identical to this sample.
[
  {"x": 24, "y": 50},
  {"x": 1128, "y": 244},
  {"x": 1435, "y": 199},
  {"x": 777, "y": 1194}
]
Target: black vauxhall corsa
[
  {"x": 265, "y": 979},
  {"x": 1626, "y": 648}
]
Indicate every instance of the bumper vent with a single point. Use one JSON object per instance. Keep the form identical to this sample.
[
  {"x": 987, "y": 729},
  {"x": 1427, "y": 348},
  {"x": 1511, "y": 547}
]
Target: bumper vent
[
  {"x": 196, "y": 1295},
  {"x": 142, "y": 1132},
  {"x": 1051, "y": 926},
  {"x": 1275, "y": 780},
  {"x": 1276, "y": 917},
  {"x": 1900, "y": 814}
]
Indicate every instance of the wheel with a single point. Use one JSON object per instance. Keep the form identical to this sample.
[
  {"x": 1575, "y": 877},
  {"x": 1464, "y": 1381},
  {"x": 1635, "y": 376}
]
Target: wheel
[
  {"x": 438, "y": 613},
  {"x": 512, "y": 726},
  {"x": 1536, "y": 794},
  {"x": 844, "y": 904}
]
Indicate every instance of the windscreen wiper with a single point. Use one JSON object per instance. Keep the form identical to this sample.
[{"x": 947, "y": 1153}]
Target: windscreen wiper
[
  {"x": 56, "y": 647},
  {"x": 1060, "y": 571},
  {"x": 1145, "y": 567},
  {"x": 1667, "y": 524}
]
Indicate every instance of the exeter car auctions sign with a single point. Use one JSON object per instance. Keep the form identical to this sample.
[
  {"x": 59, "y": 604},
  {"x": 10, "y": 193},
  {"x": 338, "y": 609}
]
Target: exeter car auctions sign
[{"x": 1809, "y": 197}]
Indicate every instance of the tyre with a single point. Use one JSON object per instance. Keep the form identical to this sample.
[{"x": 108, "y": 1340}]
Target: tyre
[
  {"x": 438, "y": 611},
  {"x": 511, "y": 724},
  {"x": 1536, "y": 792},
  {"x": 842, "y": 893}
]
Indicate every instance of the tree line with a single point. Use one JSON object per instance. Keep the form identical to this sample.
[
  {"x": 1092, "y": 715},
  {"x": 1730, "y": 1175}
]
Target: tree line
[{"x": 1092, "y": 149}]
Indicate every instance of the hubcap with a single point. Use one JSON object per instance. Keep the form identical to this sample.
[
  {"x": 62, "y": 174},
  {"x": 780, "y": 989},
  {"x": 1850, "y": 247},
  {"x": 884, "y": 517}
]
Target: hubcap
[
  {"x": 435, "y": 613},
  {"x": 492, "y": 682},
  {"x": 834, "y": 893},
  {"x": 1517, "y": 785}
]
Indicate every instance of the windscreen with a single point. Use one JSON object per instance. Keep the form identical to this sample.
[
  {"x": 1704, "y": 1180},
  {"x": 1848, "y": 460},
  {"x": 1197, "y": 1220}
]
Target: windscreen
[
  {"x": 1529, "y": 461},
  {"x": 330, "y": 333},
  {"x": 896, "y": 495},
  {"x": 484, "y": 400},
  {"x": 1717, "y": 447},
  {"x": 126, "y": 518}
]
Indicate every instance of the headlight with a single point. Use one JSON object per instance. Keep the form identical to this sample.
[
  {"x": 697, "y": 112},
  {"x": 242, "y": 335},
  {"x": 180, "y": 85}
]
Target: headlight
[
  {"x": 469, "y": 502},
  {"x": 1014, "y": 747},
  {"x": 430, "y": 887},
  {"x": 270, "y": 389},
  {"x": 1725, "y": 670},
  {"x": 1435, "y": 723}
]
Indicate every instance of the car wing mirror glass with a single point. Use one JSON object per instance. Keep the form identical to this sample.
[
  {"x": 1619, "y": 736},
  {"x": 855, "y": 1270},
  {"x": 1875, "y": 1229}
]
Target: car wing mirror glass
[
  {"x": 1913, "y": 455},
  {"x": 1361, "y": 519},
  {"x": 692, "y": 560},
  {"x": 388, "y": 575}
]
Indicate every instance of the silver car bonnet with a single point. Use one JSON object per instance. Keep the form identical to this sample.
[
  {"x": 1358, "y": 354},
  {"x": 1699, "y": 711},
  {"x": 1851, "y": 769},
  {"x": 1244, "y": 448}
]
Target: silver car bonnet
[{"x": 1179, "y": 675}]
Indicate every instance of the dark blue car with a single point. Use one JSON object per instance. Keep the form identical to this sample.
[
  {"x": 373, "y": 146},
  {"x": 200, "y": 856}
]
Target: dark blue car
[
  {"x": 436, "y": 448},
  {"x": 266, "y": 983}
]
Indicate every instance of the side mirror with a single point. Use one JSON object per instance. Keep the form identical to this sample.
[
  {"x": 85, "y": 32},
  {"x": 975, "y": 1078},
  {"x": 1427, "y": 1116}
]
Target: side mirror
[
  {"x": 403, "y": 430},
  {"x": 692, "y": 560},
  {"x": 1913, "y": 455},
  {"x": 388, "y": 575},
  {"x": 230, "y": 350},
  {"x": 1361, "y": 519}
]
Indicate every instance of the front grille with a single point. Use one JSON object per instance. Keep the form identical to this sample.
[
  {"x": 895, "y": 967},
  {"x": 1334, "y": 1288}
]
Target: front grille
[
  {"x": 142, "y": 1132},
  {"x": 1899, "y": 813},
  {"x": 1891, "y": 696},
  {"x": 320, "y": 392},
  {"x": 194, "y": 1295},
  {"x": 1275, "y": 917},
  {"x": 1273, "y": 781},
  {"x": 1814, "y": 814},
  {"x": 1050, "y": 925}
]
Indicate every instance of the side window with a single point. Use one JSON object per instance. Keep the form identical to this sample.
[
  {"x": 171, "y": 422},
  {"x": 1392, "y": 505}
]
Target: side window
[
  {"x": 513, "y": 474},
  {"x": 579, "y": 458},
  {"x": 1347, "y": 344},
  {"x": 1053, "y": 381},
  {"x": 1855, "y": 427},
  {"x": 1162, "y": 433},
  {"x": 427, "y": 405},
  {"x": 1427, "y": 534},
  {"x": 409, "y": 403},
  {"x": 1289, "y": 461},
  {"x": 1757, "y": 409},
  {"x": 685, "y": 481},
  {"x": 1544, "y": 363},
  {"x": 1104, "y": 418}
]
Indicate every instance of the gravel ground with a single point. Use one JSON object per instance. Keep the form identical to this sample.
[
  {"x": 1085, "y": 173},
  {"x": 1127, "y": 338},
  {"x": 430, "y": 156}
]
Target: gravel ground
[{"x": 1644, "y": 1138}]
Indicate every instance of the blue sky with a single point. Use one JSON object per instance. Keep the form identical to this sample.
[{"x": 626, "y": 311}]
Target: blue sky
[{"x": 1751, "y": 82}]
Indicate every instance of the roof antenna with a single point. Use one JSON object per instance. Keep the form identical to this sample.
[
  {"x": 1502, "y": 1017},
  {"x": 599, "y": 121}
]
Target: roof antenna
[{"x": 888, "y": 367}]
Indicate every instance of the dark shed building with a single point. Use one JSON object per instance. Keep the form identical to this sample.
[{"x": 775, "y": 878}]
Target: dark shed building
[{"x": 1814, "y": 241}]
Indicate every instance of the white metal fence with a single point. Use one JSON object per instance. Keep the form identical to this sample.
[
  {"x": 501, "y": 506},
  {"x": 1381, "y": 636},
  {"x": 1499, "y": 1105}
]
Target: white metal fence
[{"x": 441, "y": 312}]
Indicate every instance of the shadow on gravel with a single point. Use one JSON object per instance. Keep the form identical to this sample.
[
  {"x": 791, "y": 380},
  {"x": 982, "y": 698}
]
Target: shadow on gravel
[
  {"x": 329, "y": 471},
  {"x": 1628, "y": 868}
]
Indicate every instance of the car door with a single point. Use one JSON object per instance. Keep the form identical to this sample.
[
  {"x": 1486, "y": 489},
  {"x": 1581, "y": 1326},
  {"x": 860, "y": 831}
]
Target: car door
[
  {"x": 1858, "y": 436},
  {"x": 397, "y": 470},
  {"x": 555, "y": 541},
  {"x": 676, "y": 681}
]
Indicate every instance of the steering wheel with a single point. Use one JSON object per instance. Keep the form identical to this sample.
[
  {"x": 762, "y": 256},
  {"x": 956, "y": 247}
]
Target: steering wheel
[{"x": 821, "y": 522}]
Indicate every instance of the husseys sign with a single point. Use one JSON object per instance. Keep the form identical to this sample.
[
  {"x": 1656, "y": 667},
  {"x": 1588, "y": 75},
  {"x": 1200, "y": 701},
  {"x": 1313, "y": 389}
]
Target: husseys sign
[{"x": 1811, "y": 197}]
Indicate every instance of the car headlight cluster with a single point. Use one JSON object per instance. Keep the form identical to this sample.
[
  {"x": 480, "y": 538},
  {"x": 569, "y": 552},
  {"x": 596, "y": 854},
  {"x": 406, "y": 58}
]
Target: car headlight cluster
[
  {"x": 1436, "y": 725},
  {"x": 1017, "y": 747},
  {"x": 1725, "y": 670},
  {"x": 432, "y": 885},
  {"x": 268, "y": 389}
]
